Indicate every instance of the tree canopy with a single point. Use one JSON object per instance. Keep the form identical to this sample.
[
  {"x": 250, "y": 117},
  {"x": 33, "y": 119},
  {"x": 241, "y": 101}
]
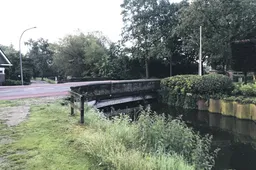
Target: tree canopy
[
  {"x": 81, "y": 55},
  {"x": 41, "y": 56},
  {"x": 244, "y": 56},
  {"x": 223, "y": 21}
]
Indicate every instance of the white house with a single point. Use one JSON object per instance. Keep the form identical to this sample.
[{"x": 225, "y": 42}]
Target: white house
[{"x": 4, "y": 62}]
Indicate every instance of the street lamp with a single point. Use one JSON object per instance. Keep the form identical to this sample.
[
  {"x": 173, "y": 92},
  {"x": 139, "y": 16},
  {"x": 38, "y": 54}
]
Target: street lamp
[{"x": 21, "y": 71}]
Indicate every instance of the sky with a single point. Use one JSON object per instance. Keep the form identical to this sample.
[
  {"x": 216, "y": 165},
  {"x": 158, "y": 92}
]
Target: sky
[{"x": 56, "y": 18}]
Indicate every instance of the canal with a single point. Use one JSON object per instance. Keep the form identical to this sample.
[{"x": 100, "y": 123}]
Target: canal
[{"x": 235, "y": 138}]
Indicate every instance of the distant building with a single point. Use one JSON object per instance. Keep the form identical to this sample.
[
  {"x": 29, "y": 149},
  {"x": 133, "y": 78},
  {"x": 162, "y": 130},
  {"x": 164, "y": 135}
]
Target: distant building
[{"x": 4, "y": 62}]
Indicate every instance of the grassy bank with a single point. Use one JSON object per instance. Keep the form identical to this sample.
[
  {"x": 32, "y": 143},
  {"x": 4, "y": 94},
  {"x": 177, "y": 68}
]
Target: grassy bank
[
  {"x": 51, "y": 139},
  {"x": 42, "y": 142}
]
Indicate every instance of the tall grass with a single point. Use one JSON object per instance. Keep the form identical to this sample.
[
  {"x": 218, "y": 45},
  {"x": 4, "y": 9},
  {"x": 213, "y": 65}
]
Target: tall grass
[
  {"x": 50, "y": 139},
  {"x": 152, "y": 142}
]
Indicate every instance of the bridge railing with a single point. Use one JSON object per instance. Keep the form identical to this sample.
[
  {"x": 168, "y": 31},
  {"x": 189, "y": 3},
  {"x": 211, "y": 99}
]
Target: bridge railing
[
  {"x": 111, "y": 89},
  {"x": 102, "y": 90},
  {"x": 75, "y": 97}
]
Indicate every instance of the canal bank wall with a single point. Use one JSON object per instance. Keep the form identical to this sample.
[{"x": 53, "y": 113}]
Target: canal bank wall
[
  {"x": 228, "y": 108},
  {"x": 225, "y": 107}
]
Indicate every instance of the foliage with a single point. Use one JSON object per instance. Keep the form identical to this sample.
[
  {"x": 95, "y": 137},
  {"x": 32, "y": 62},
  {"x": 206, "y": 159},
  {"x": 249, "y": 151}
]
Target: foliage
[
  {"x": 41, "y": 56},
  {"x": 138, "y": 17},
  {"x": 182, "y": 83},
  {"x": 222, "y": 21},
  {"x": 204, "y": 85},
  {"x": 151, "y": 135},
  {"x": 149, "y": 26},
  {"x": 241, "y": 99},
  {"x": 186, "y": 101},
  {"x": 151, "y": 143},
  {"x": 9, "y": 82},
  {"x": 81, "y": 55},
  {"x": 214, "y": 84},
  {"x": 243, "y": 57},
  {"x": 13, "y": 72},
  {"x": 185, "y": 90},
  {"x": 245, "y": 89},
  {"x": 44, "y": 141},
  {"x": 48, "y": 80},
  {"x": 120, "y": 66}
]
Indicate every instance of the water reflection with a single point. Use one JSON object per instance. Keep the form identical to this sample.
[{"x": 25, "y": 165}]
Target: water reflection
[{"x": 236, "y": 138}]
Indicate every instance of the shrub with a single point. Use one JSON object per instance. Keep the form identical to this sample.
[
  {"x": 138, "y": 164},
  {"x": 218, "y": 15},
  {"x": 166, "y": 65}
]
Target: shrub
[
  {"x": 152, "y": 142},
  {"x": 214, "y": 84},
  {"x": 182, "y": 83},
  {"x": 245, "y": 89},
  {"x": 205, "y": 85},
  {"x": 9, "y": 82}
]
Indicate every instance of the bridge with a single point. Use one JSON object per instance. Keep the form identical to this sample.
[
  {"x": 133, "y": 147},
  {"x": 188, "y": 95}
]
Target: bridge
[{"x": 109, "y": 93}]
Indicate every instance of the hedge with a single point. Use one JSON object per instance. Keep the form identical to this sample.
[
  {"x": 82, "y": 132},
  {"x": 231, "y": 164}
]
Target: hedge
[
  {"x": 204, "y": 85},
  {"x": 9, "y": 82}
]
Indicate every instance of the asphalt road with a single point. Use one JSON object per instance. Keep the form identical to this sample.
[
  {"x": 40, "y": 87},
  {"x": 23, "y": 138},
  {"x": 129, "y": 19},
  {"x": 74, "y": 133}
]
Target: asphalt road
[{"x": 36, "y": 90}]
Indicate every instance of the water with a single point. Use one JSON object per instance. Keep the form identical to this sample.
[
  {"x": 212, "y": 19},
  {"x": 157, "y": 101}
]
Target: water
[{"x": 236, "y": 138}]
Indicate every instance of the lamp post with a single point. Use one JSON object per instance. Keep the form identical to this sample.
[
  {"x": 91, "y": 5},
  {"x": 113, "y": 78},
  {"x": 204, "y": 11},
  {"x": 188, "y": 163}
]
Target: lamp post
[
  {"x": 200, "y": 54},
  {"x": 21, "y": 71}
]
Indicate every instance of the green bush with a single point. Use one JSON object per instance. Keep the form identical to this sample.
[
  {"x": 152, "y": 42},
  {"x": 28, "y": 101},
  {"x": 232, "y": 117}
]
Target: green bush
[
  {"x": 9, "y": 82},
  {"x": 245, "y": 89},
  {"x": 152, "y": 142},
  {"x": 204, "y": 85},
  {"x": 214, "y": 84},
  {"x": 241, "y": 99},
  {"x": 182, "y": 83}
]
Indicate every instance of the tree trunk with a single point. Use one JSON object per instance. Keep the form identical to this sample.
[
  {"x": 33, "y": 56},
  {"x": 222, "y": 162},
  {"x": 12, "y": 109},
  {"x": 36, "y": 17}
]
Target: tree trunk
[
  {"x": 147, "y": 71},
  {"x": 245, "y": 77},
  {"x": 170, "y": 62},
  {"x": 42, "y": 76}
]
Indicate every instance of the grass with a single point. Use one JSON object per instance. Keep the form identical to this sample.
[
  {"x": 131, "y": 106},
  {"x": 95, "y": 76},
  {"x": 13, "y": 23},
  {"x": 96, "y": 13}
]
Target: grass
[
  {"x": 49, "y": 81},
  {"x": 46, "y": 80},
  {"x": 152, "y": 142},
  {"x": 43, "y": 142},
  {"x": 51, "y": 139},
  {"x": 8, "y": 103}
]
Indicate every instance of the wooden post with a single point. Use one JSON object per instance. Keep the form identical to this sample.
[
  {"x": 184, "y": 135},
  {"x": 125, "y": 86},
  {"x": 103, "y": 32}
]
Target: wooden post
[
  {"x": 82, "y": 109},
  {"x": 72, "y": 104}
]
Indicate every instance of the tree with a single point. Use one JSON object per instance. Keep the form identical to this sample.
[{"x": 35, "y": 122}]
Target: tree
[
  {"x": 13, "y": 72},
  {"x": 120, "y": 65},
  {"x": 169, "y": 44},
  {"x": 138, "y": 18},
  {"x": 223, "y": 21},
  {"x": 81, "y": 55},
  {"x": 41, "y": 56},
  {"x": 150, "y": 26}
]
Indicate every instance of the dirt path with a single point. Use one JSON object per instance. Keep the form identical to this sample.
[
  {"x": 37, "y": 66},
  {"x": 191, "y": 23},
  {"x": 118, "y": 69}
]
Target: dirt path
[{"x": 14, "y": 115}]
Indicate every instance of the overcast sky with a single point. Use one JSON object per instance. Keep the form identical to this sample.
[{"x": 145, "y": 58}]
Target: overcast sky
[{"x": 56, "y": 18}]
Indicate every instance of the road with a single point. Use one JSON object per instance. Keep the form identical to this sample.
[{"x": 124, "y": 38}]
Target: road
[{"x": 36, "y": 89}]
